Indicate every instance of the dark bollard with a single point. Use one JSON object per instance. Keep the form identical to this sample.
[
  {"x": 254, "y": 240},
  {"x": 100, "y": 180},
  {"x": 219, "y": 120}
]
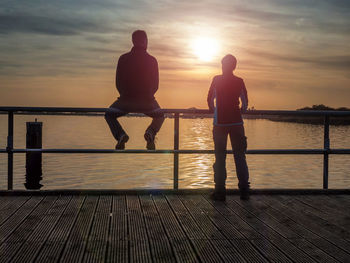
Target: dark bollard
[{"x": 33, "y": 160}]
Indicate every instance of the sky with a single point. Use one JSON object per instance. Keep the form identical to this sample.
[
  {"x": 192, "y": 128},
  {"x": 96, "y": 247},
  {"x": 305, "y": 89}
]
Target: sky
[{"x": 291, "y": 53}]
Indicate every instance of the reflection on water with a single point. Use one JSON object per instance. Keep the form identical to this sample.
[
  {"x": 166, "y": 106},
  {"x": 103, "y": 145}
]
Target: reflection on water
[{"x": 117, "y": 171}]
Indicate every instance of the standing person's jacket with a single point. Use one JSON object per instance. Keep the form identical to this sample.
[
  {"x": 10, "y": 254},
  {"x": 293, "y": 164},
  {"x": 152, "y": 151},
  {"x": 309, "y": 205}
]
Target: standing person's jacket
[
  {"x": 226, "y": 90},
  {"x": 137, "y": 76}
]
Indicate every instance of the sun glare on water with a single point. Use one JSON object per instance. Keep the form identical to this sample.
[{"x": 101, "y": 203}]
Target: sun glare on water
[{"x": 205, "y": 48}]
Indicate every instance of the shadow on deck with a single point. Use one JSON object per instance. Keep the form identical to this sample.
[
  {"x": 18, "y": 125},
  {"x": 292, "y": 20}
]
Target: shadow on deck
[{"x": 174, "y": 228}]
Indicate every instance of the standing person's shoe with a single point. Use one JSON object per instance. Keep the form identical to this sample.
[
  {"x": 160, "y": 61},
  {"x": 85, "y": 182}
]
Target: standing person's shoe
[
  {"x": 218, "y": 195},
  {"x": 150, "y": 137},
  {"x": 244, "y": 194},
  {"x": 121, "y": 142}
]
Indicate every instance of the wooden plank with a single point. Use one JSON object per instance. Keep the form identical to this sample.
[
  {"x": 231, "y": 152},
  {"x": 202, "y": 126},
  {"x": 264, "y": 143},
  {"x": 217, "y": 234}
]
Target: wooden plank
[
  {"x": 203, "y": 215},
  {"x": 334, "y": 251},
  {"x": 204, "y": 248},
  {"x": 118, "y": 251},
  {"x": 271, "y": 245},
  {"x": 331, "y": 203},
  {"x": 274, "y": 212},
  {"x": 191, "y": 229},
  {"x": 261, "y": 210},
  {"x": 247, "y": 231},
  {"x": 169, "y": 221},
  {"x": 118, "y": 246},
  {"x": 269, "y": 250},
  {"x": 18, "y": 217},
  {"x": 160, "y": 246},
  {"x": 98, "y": 238},
  {"x": 202, "y": 218},
  {"x": 302, "y": 243},
  {"x": 309, "y": 221},
  {"x": 31, "y": 247},
  {"x": 76, "y": 243},
  {"x": 279, "y": 246},
  {"x": 54, "y": 244},
  {"x": 182, "y": 248},
  {"x": 248, "y": 251},
  {"x": 5, "y": 200},
  {"x": 322, "y": 205},
  {"x": 325, "y": 204},
  {"x": 313, "y": 251},
  {"x": 334, "y": 222},
  {"x": 207, "y": 252},
  {"x": 342, "y": 199},
  {"x": 257, "y": 209},
  {"x": 11, "y": 207},
  {"x": 13, "y": 243},
  {"x": 281, "y": 234},
  {"x": 139, "y": 244},
  {"x": 321, "y": 243}
]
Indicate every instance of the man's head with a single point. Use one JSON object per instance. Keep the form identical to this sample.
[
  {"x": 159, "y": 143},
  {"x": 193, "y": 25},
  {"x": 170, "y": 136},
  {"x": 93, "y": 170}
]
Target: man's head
[
  {"x": 139, "y": 39},
  {"x": 228, "y": 63}
]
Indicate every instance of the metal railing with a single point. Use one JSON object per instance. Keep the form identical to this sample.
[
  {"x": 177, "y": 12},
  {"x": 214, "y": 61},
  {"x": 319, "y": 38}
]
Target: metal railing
[{"x": 325, "y": 151}]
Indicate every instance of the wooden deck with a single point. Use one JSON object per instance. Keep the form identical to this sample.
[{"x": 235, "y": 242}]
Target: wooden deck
[{"x": 174, "y": 228}]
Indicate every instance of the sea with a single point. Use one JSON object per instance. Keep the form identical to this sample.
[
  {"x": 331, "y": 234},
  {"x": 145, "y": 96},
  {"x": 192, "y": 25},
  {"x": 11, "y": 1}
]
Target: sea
[{"x": 155, "y": 171}]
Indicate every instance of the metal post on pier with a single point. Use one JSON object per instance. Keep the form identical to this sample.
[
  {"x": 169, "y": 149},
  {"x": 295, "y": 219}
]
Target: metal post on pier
[
  {"x": 326, "y": 144},
  {"x": 34, "y": 159},
  {"x": 9, "y": 150},
  {"x": 176, "y": 147}
]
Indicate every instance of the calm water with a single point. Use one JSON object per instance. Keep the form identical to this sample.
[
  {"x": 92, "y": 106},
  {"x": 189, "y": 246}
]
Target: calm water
[{"x": 115, "y": 171}]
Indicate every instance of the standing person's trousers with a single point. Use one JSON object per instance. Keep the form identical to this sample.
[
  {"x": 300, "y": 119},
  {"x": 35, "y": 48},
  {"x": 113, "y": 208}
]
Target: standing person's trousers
[
  {"x": 122, "y": 107},
  {"x": 239, "y": 146}
]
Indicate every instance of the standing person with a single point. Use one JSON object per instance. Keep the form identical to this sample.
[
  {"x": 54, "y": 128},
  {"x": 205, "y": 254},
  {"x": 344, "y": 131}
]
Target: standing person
[
  {"x": 227, "y": 89},
  {"x": 137, "y": 81}
]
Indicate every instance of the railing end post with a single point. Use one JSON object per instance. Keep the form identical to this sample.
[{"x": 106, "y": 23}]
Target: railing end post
[
  {"x": 9, "y": 149},
  {"x": 176, "y": 147},
  {"x": 326, "y": 145}
]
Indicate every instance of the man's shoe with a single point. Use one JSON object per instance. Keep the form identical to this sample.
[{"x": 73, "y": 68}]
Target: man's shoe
[
  {"x": 218, "y": 196},
  {"x": 150, "y": 137},
  {"x": 121, "y": 142},
  {"x": 244, "y": 194}
]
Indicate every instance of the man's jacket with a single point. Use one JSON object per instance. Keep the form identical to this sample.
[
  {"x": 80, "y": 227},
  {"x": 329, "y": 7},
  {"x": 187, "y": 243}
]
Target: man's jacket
[
  {"x": 226, "y": 90},
  {"x": 137, "y": 75}
]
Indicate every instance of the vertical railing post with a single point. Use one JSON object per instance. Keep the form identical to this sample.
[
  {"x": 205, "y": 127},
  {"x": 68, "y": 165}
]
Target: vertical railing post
[
  {"x": 326, "y": 144},
  {"x": 176, "y": 147},
  {"x": 9, "y": 150},
  {"x": 33, "y": 159}
]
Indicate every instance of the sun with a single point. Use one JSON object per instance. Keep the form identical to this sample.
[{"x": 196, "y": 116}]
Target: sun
[{"x": 205, "y": 48}]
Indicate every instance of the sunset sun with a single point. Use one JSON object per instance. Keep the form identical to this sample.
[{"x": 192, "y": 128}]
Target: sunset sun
[{"x": 205, "y": 48}]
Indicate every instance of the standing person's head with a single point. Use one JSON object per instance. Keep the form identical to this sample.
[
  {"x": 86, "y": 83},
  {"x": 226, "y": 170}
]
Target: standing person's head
[
  {"x": 228, "y": 63},
  {"x": 139, "y": 39}
]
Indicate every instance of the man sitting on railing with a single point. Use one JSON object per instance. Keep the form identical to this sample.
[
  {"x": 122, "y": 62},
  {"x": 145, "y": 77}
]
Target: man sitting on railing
[
  {"x": 137, "y": 81},
  {"x": 227, "y": 89}
]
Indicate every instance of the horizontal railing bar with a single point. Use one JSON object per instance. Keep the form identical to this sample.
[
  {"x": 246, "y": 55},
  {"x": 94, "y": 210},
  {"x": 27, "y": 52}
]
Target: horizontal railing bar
[
  {"x": 339, "y": 151},
  {"x": 185, "y": 111},
  {"x": 258, "y": 151}
]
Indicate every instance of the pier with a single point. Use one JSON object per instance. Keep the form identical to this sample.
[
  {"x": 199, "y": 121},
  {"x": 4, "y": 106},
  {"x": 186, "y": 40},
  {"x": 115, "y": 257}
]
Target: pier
[
  {"x": 175, "y": 225},
  {"x": 48, "y": 226}
]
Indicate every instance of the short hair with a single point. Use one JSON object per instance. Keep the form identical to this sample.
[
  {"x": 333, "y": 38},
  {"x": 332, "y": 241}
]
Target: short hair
[
  {"x": 230, "y": 61},
  {"x": 138, "y": 37}
]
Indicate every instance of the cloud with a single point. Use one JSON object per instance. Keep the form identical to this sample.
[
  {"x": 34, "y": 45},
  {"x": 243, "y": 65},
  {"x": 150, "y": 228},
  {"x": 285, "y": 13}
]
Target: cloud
[
  {"x": 25, "y": 23},
  {"x": 330, "y": 62}
]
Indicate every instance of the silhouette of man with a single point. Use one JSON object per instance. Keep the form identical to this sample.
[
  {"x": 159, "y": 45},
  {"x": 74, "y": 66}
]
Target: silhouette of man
[
  {"x": 227, "y": 89},
  {"x": 136, "y": 81}
]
